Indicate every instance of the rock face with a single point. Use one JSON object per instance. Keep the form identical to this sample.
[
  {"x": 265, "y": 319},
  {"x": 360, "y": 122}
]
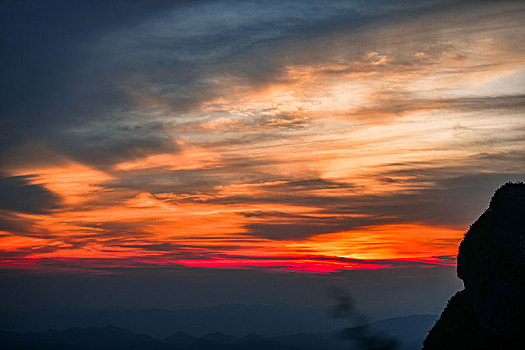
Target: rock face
[{"x": 490, "y": 312}]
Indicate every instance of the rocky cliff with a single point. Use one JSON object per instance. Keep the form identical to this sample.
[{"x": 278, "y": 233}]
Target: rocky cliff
[{"x": 490, "y": 312}]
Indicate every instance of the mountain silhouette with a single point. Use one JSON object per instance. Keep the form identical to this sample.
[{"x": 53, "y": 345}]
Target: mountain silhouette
[
  {"x": 107, "y": 338},
  {"x": 115, "y": 338},
  {"x": 180, "y": 340},
  {"x": 409, "y": 330},
  {"x": 490, "y": 312},
  {"x": 234, "y": 319}
]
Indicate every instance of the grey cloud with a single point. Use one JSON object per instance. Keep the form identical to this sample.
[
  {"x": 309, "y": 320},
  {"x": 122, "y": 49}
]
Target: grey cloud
[
  {"x": 308, "y": 227},
  {"x": 311, "y": 184},
  {"x": 106, "y": 143},
  {"x": 18, "y": 194},
  {"x": 174, "y": 181},
  {"x": 91, "y": 73},
  {"x": 453, "y": 200},
  {"x": 488, "y": 103},
  {"x": 11, "y": 222},
  {"x": 48, "y": 87},
  {"x": 396, "y": 104}
]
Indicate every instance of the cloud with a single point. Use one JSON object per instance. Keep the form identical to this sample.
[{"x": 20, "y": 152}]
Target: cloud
[
  {"x": 16, "y": 225},
  {"x": 49, "y": 87},
  {"x": 19, "y": 195},
  {"x": 139, "y": 71},
  {"x": 184, "y": 131}
]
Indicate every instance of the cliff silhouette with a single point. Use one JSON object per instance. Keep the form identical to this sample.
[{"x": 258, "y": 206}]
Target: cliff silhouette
[{"x": 490, "y": 312}]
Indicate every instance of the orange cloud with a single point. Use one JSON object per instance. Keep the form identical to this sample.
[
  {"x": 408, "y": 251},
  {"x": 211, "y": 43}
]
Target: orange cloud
[
  {"x": 385, "y": 242},
  {"x": 187, "y": 159},
  {"x": 74, "y": 183}
]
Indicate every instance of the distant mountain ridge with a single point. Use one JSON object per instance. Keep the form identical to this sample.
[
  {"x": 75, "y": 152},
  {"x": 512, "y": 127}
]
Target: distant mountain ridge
[
  {"x": 490, "y": 312},
  {"x": 235, "y": 319},
  {"x": 115, "y": 338}
]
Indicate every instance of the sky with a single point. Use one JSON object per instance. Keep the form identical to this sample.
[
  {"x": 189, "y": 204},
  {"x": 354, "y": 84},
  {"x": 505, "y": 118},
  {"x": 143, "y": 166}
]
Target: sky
[{"x": 285, "y": 139}]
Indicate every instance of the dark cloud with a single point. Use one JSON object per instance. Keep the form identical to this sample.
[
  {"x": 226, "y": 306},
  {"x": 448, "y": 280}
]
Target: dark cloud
[
  {"x": 169, "y": 181},
  {"x": 11, "y": 222},
  {"x": 290, "y": 231},
  {"x": 18, "y": 194},
  {"x": 391, "y": 105},
  {"x": 281, "y": 227},
  {"x": 76, "y": 76},
  {"x": 488, "y": 103},
  {"x": 48, "y": 87},
  {"x": 107, "y": 143},
  {"x": 310, "y": 184},
  {"x": 451, "y": 201}
]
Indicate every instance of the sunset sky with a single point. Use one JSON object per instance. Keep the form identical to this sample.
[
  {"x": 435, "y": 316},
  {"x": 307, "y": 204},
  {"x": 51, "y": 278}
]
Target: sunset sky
[{"x": 310, "y": 137}]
